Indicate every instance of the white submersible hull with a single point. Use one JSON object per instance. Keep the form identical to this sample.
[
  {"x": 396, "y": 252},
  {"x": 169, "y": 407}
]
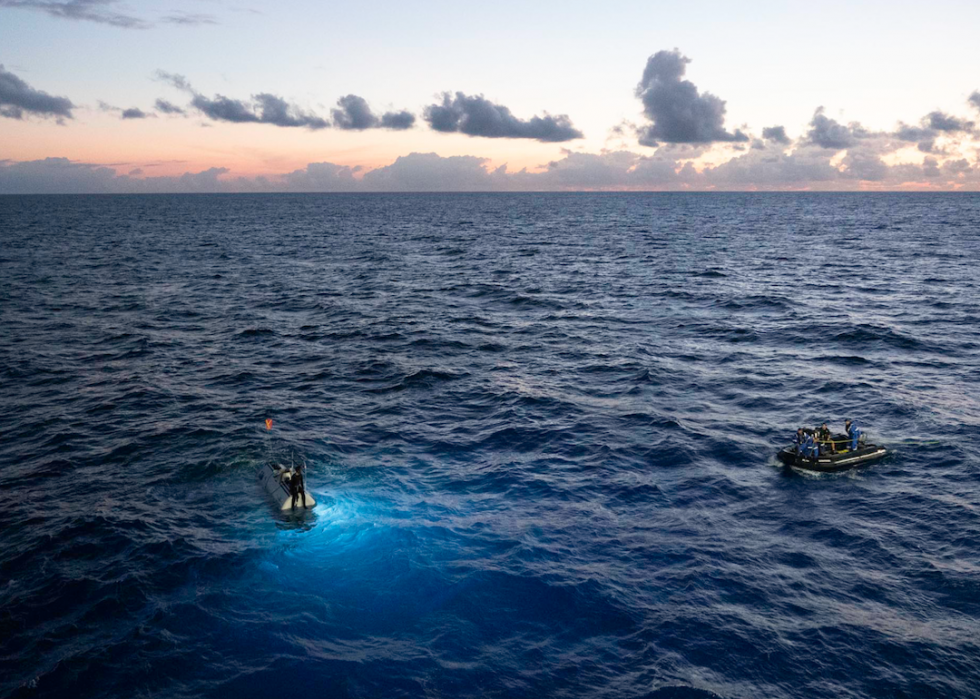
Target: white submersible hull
[{"x": 275, "y": 478}]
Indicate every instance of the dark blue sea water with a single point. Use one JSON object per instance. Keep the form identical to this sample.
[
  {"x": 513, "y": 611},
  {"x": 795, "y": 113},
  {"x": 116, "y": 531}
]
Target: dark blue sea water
[{"x": 541, "y": 430}]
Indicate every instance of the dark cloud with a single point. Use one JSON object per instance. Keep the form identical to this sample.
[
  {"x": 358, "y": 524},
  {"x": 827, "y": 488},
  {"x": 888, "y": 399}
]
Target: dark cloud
[
  {"x": 678, "y": 112},
  {"x": 932, "y": 126},
  {"x": 828, "y": 133},
  {"x": 478, "y": 116},
  {"x": 397, "y": 121},
  {"x": 943, "y": 122},
  {"x": 275, "y": 110},
  {"x": 354, "y": 114},
  {"x": 776, "y": 134},
  {"x": 913, "y": 133},
  {"x": 18, "y": 98},
  {"x": 165, "y": 107},
  {"x": 221, "y": 108},
  {"x": 974, "y": 99},
  {"x": 84, "y": 10},
  {"x": 131, "y": 113},
  {"x": 263, "y": 108}
]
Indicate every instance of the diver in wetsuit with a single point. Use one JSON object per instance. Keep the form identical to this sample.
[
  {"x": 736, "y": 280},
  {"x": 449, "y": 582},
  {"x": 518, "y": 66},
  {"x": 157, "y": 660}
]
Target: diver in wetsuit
[{"x": 853, "y": 433}]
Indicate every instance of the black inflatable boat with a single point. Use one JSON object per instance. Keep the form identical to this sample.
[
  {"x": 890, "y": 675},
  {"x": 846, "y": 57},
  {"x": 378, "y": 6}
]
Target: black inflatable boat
[{"x": 841, "y": 461}]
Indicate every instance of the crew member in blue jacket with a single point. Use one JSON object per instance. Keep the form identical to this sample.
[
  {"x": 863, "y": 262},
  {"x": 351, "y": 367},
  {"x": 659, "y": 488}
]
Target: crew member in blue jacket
[
  {"x": 853, "y": 433},
  {"x": 811, "y": 446},
  {"x": 799, "y": 439}
]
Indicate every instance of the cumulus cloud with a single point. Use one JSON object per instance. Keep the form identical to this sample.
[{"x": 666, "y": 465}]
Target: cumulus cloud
[
  {"x": 776, "y": 134},
  {"x": 932, "y": 126},
  {"x": 944, "y": 122},
  {"x": 263, "y": 108},
  {"x": 678, "y": 111},
  {"x": 17, "y": 98},
  {"x": 807, "y": 167},
  {"x": 828, "y": 133},
  {"x": 478, "y": 116},
  {"x": 397, "y": 121},
  {"x": 63, "y": 176},
  {"x": 974, "y": 99},
  {"x": 322, "y": 177},
  {"x": 353, "y": 113}
]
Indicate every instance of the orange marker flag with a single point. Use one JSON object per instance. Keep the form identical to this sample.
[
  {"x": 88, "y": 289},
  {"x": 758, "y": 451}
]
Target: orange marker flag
[{"x": 268, "y": 423}]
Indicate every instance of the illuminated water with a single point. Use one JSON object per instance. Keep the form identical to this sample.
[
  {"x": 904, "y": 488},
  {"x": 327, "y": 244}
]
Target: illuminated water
[{"x": 541, "y": 430}]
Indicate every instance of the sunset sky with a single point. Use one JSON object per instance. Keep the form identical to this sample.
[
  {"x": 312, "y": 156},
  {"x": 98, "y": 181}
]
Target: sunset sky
[{"x": 212, "y": 95}]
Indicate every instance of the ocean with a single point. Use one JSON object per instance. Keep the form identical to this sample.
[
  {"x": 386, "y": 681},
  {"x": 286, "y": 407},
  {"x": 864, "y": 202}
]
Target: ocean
[{"x": 541, "y": 430}]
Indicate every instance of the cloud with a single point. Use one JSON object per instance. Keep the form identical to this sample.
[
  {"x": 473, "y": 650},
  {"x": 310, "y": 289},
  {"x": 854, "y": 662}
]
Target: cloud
[
  {"x": 165, "y": 107},
  {"x": 932, "y": 126},
  {"x": 808, "y": 167},
  {"x": 263, "y": 108},
  {"x": 178, "y": 81},
  {"x": 131, "y": 113},
  {"x": 397, "y": 121},
  {"x": 353, "y": 113},
  {"x": 943, "y": 122},
  {"x": 776, "y": 134},
  {"x": 428, "y": 172},
  {"x": 85, "y": 10},
  {"x": 188, "y": 19},
  {"x": 62, "y": 176},
  {"x": 322, "y": 177},
  {"x": 478, "y": 116},
  {"x": 18, "y": 98},
  {"x": 828, "y": 133},
  {"x": 100, "y": 12},
  {"x": 974, "y": 99},
  {"x": 678, "y": 112}
]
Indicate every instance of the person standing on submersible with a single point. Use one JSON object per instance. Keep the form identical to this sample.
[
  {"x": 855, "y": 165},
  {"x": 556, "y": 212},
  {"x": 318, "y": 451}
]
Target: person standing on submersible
[{"x": 297, "y": 485}]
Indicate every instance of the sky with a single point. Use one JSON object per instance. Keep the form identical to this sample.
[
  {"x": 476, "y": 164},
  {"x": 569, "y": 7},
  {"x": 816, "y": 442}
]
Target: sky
[{"x": 297, "y": 95}]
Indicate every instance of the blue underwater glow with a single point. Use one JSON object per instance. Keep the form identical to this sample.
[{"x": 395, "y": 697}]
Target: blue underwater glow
[{"x": 541, "y": 431}]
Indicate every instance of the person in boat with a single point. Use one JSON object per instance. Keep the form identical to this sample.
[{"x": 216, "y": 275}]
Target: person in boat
[
  {"x": 296, "y": 486},
  {"x": 826, "y": 441},
  {"x": 811, "y": 446},
  {"x": 799, "y": 440},
  {"x": 853, "y": 433}
]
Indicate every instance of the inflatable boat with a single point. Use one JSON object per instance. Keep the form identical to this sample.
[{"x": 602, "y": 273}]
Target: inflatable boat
[
  {"x": 843, "y": 460},
  {"x": 277, "y": 479}
]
